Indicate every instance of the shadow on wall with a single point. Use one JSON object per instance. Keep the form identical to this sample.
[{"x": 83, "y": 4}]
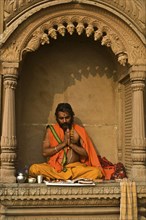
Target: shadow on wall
[{"x": 53, "y": 74}]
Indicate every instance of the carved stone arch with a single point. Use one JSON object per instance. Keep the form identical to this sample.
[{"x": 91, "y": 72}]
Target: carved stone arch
[
  {"x": 130, "y": 11},
  {"x": 104, "y": 25},
  {"x": 91, "y": 26},
  {"x": 78, "y": 24}
]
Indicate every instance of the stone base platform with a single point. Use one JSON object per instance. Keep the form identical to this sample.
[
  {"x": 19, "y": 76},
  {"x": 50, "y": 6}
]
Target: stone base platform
[{"x": 41, "y": 202}]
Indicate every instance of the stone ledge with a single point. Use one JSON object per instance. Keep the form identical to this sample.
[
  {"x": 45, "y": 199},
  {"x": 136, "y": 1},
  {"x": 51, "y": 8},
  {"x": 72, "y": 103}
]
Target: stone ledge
[
  {"x": 38, "y": 201},
  {"x": 29, "y": 191}
]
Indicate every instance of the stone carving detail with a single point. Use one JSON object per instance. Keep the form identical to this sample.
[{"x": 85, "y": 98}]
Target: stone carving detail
[
  {"x": 80, "y": 28},
  {"x": 132, "y": 52},
  {"x": 138, "y": 157},
  {"x": 35, "y": 41},
  {"x": 89, "y": 30},
  {"x": 59, "y": 201},
  {"x": 97, "y": 34},
  {"x": 113, "y": 41},
  {"x": 61, "y": 29},
  {"x": 8, "y": 158},
  {"x": 122, "y": 58},
  {"x": 8, "y": 139},
  {"x": 80, "y": 25},
  {"x": 137, "y": 49},
  {"x": 26, "y": 195},
  {"x": 120, "y": 121},
  {"x": 70, "y": 28},
  {"x": 134, "y": 8},
  {"x": 10, "y": 84},
  {"x": 106, "y": 41},
  {"x": 45, "y": 39},
  {"x": 117, "y": 46},
  {"x": 52, "y": 33},
  {"x": 138, "y": 141},
  {"x": 10, "y": 53},
  {"x": 13, "y": 6},
  {"x": 105, "y": 191},
  {"x": 66, "y": 218}
]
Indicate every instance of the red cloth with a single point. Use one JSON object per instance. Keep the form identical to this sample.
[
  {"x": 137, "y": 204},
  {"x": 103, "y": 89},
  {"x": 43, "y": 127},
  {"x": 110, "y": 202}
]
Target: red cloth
[{"x": 55, "y": 160}]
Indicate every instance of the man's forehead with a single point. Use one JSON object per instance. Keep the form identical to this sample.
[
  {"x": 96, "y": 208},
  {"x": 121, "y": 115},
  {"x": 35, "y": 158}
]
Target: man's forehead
[{"x": 63, "y": 113}]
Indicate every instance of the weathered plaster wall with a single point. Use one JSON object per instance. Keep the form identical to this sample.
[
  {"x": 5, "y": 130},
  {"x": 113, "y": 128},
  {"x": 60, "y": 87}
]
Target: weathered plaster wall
[{"x": 72, "y": 69}]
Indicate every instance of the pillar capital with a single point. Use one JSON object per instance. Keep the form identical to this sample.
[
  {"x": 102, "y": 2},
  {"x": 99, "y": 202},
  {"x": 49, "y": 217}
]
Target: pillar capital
[
  {"x": 138, "y": 85},
  {"x": 10, "y": 68},
  {"x": 137, "y": 73}
]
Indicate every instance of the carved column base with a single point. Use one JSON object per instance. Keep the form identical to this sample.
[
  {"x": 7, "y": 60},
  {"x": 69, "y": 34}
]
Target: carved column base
[
  {"x": 8, "y": 176},
  {"x": 138, "y": 173}
]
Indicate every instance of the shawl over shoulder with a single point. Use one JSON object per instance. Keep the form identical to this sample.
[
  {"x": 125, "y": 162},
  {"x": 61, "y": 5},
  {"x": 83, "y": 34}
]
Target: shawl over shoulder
[{"x": 55, "y": 160}]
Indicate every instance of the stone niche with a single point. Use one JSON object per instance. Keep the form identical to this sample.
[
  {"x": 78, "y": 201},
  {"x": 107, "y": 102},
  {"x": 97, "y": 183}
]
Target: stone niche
[
  {"x": 86, "y": 73},
  {"x": 73, "y": 69}
]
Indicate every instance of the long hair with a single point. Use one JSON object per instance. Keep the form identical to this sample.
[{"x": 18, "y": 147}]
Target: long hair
[{"x": 64, "y": 107}]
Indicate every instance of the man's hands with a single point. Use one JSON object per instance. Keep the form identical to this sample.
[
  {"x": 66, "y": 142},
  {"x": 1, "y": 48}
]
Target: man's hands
[
  {"x": 68, "y": 142},
  {"x": 67, "y": 137}
]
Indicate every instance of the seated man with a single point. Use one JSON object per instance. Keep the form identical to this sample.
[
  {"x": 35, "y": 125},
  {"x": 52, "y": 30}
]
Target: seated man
[{"x": 69, "y": 151}]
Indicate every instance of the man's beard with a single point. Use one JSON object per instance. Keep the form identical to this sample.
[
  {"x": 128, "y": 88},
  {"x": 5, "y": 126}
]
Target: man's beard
[{"x": 66, "y": 125}]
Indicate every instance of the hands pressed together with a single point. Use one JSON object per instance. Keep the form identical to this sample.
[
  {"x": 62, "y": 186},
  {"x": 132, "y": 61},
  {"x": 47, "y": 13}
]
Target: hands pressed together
[{"x": 67, "y": 143}]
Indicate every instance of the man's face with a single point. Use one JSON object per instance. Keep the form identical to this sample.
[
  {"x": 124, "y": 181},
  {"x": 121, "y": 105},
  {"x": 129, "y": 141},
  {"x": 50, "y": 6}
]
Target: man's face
[{"x": 64, "y": 120}]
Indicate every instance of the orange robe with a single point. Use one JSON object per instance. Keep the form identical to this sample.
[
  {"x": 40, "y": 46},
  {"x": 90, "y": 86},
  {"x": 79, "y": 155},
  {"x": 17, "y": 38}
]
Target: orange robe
[
  {"x": 53, "y": 169},
  {"x": 55, "y": 160}
]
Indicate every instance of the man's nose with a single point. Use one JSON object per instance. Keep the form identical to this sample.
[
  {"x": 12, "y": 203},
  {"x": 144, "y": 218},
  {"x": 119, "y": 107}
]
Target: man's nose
[{"x": 64, "y": 119}]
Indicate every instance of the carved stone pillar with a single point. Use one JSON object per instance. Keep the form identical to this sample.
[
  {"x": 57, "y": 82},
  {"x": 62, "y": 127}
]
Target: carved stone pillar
[
  {"x": 8, "y": 138},
  {"x": 138, "y": 76}
]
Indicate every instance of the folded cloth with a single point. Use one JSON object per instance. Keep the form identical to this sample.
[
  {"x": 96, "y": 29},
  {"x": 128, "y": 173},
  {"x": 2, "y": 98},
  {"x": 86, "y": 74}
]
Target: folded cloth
[{"x": 128, "y": 203}]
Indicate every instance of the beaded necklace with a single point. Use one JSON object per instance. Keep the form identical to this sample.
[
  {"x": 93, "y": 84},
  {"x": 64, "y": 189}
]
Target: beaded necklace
[{"x": 71, "y": 138}]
